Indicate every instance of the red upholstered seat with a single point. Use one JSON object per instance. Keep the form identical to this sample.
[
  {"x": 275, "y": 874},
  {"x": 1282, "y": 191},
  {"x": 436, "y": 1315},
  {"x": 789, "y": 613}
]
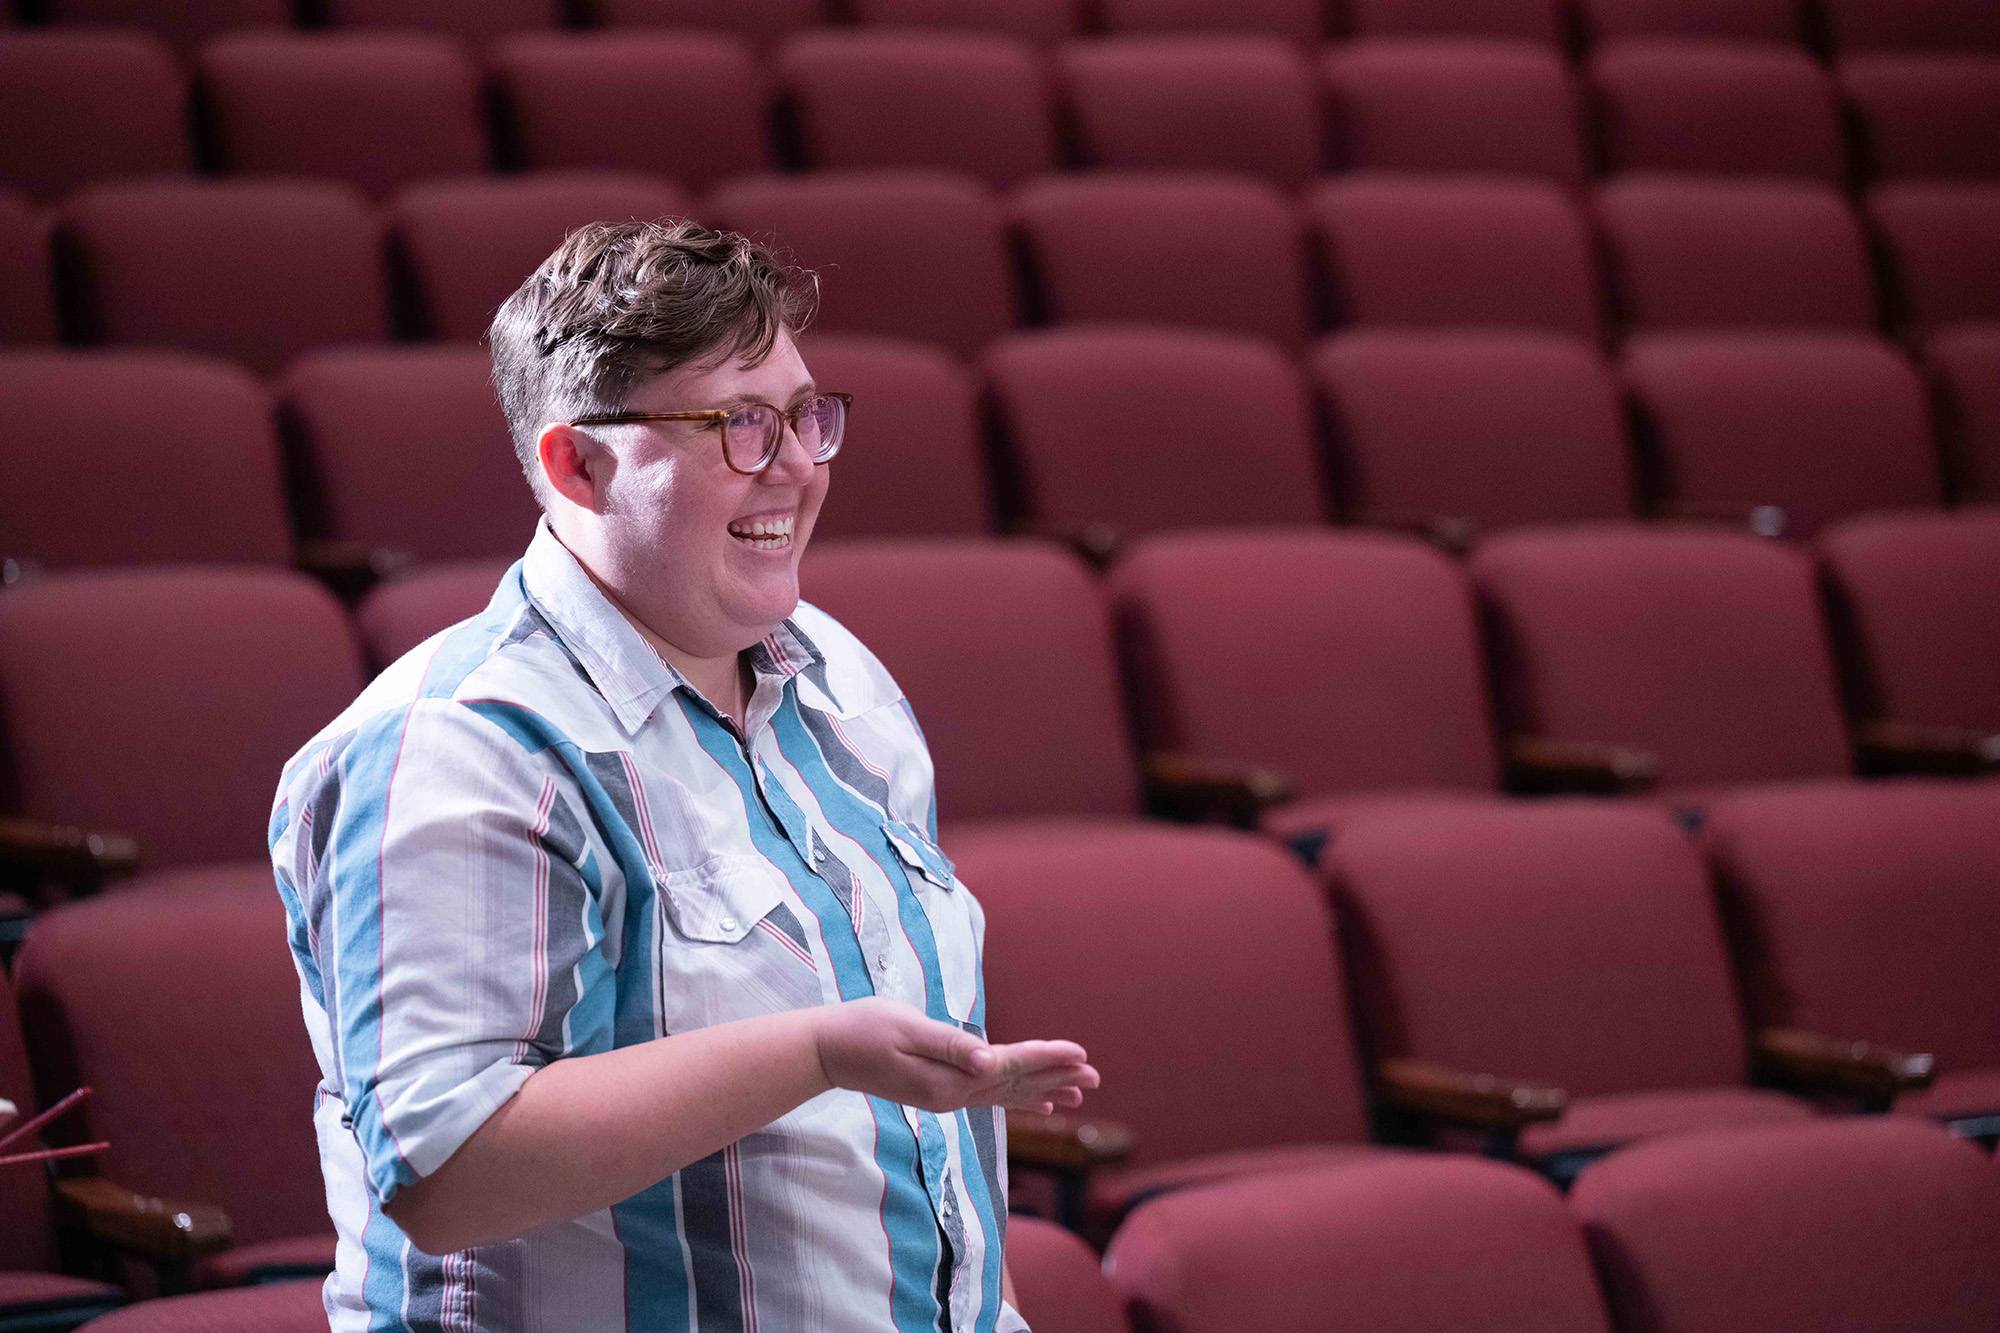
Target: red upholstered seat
[
  {"x": 1297, "y": 20},
  {"x": 1061, "y": 1286},
  {"x": 1715, "y": 254},
  {"x": 1397, "y": 1245},
  {"x": 1032, "y": 20},
  {"x": 1128, "y": 431},
  {"x": 759, "y": 20},
  {"x": 473, "y": 20},
  {"x": 400, "y": 613},
  {"x": 258, "y": 271},
  {"x": 363, "y": 421},
  {"x": 597, "y": 101},
  {"x": 1964, "y": 365},
  {"x": 1490, "y": 105},
  {"x": 163, "y": 703},
  {"x": 88, "y": 106},
  {"x": 1862, "y": 24},
  {"x": 1150, "y": 249},
  {"x": 1702, "y": 646},
  {"x": 282, "y": 1307},
  {"x": 1943, "y": 248},
  {"x": 468, "y": 244},
  {"x": 1861, "y": 1224},
  {"x": 160, "y": 427},
  {"x": 1493, "y": 428},
  {"x": 1592, "y": 1123},
  {"x": 1223, "y": 102},
  {"x": 975, "y": 102},
  {"x": 27, "y": 310},
  {"x": 913, "y": 462},
  {"x": 1740, "y": 20},
  {"x": 1529, "y": 20},
  {"x": 1821, "y": 426},
  {"x": 1921, "y": 600},
  {"x": 179, "y": 1004},
  {"x": 182, "y": 22},
  {"x": 1723, "y": 108},
  {"x": 1432, "y": 252},
  {"x": 1868, "y": 914},
  {"x": 1004, "y": 652},
  {"x": 908, "y": 254},
  {"x": 378, "y": 110},
  {"x": 1926, "y": 113}
]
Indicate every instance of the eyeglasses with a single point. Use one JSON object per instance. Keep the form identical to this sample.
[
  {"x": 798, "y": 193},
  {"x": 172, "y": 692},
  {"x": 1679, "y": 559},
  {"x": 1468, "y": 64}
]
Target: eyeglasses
[{"x": 753, "y": 434}]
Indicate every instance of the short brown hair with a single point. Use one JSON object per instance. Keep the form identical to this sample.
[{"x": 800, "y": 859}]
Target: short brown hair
[{"x": 621, "y": 302}]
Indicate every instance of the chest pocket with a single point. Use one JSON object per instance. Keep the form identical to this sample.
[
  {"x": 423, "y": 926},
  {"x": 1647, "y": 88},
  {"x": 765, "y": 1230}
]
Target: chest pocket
[
  {"x": 920, "y": 854},
  {"x": 720, "y": 900}
]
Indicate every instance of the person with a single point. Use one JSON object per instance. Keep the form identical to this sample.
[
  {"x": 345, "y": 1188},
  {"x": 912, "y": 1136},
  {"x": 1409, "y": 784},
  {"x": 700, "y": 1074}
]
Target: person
[{"x": 643, "y": 995}]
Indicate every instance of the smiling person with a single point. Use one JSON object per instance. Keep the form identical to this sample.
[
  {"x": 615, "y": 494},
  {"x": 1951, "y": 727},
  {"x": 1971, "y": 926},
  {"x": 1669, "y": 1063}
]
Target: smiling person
[{"x": 642, "y": 994}]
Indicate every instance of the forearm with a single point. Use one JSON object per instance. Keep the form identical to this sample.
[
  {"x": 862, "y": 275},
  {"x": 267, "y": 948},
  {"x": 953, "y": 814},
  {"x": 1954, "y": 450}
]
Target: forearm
[{"x": 588, "y": 1131}]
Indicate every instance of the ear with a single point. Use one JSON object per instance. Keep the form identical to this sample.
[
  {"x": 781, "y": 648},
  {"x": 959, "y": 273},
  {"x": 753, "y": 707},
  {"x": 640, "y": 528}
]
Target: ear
[{"x": 573, "y": 464}]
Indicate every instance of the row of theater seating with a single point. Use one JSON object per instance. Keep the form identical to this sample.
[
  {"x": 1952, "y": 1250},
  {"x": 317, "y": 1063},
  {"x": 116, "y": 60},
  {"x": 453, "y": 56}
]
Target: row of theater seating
[
  {"x": 385, "y": 110},
  {"x": 1844, "y": 24}
]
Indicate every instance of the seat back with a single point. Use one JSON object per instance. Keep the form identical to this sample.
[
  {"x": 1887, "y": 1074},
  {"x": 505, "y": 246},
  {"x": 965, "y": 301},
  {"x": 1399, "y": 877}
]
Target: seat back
[
  {"x": 469, "y": 20},
  {"x": 1523, "y": 20},
  {"x": 1143, "y": 430},
  {"x": 1862, "y": 24},
  {"x": 1061, "y": 1286},
  {"x": 1702, "y": 646},
  {"x": 399, "y": 613},
  {"x": 1926, "y": 114},
  {"x": 1737, "y": 20},
  {"x": 1964, "y": 365},
  {"x": 27, "y": 310},
  {"x": 1196, "y": 966},
  {"x": 1942, "y": 244},
  {"x": 760, "y": 20},
  {"x": 180, "y": 1006},
  {"x": 1722, "y": 108},
  {"x": 184, "y": 24},
  {"x": 183, "y": 455},
  {"x": 1004, "y": 652},
  {"x": 82, "y": 107},
  {"x": 1032, "y": 20},
  {"x": 1381, "y": 683},
  {"x": 163, "y": 703}
]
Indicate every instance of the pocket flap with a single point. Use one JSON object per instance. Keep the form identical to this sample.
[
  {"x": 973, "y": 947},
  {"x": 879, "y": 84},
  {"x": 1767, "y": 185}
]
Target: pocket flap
[
  {"x": 719, "y": 900},
  {"x": 920, "y": 853}
]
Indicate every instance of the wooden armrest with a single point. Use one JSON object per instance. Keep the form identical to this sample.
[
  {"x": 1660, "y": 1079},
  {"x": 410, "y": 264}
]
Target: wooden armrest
[
  {"x": 1469, "y": 1099},
  {"x": 84, "y": 858},
  {"x": 1065, "y": 1144},
  {"x": 169, "y": 1230},
  {"x": 348, "y": 567},
  {"x": 1909, "y": 747},
  {"x": 1540, "y": 764},
  {"x": 1858, "y": 1067},
  {"x": 1190, "y": 786},
  {"x": 1097, "y": 543}
]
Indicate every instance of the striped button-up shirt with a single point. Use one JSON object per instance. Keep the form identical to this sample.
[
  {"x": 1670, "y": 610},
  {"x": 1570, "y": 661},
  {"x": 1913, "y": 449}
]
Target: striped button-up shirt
[{"x": 531, "y": 838}]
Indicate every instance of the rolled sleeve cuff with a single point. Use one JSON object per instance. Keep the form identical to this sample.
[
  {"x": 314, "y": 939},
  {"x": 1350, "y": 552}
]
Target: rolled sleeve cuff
[{"x": 422, "y": 1132}]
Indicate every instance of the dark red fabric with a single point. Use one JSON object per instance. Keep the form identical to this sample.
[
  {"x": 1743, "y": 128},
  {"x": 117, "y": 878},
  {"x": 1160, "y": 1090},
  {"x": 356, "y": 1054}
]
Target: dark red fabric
[
  {"x": 1964, "y": 365},
  {"x": 179, "y": 1004},
  {"x": 1314, "y": 815},
  {"x": 159, "y": 428},
  {"x": 1845, "y": 1224},
  {"x": 1680, "y": 105},
  {"x": 163, "y": 703},
  {"x": 1625, "y": 1118},
  {"x": 1348, "y": 660},
  {"x": 81, "y": 107},
  {"x": 596, "y": 100},
  {"x": 1223, "y": 102},
  {"x": 1033, "y": 20},
  {"x": 1921, "y": 594},
  {"x": 1703, "y": 646},
  {"x": 1298, "y": 20},
  {"x": 258, "y": 271},
  {"x": 1109, "y": 248},
  {"x": 469, "y": 244},
  {"x": 401, "y": 613},
  {"x": 27, "y": 310},
  {"x": 1004, "y": 652},
  {"x": 1114, "y": 1190},
  {"x": 1741, "y": 20},
  {"x": 1958, "y": 1093},
  {"x": 1870, "y": 913},
  {"x": 1943, "y": 244},
  {"x": 1455, "y": 105},
  {"x": 1142, "y": 430},
  {"x": 1710, "y": 254},
  {"x": 913, "y": 461},
  {"x": 1822, "y": 425},
  {"x": 28, "y": 1240},
  {"x": 1497, "y": 427},
  {"x": 1926, "y": 114},
  {"x": 473, "y": 20},
  {"x": 241, "y": 1264},
  {"x": 1859, "y": 24},
  {"x": 182, "y": 22},
  {"x": 367, "y": 421},
  {"x": 1061, "y": 1287},
  {"x": 1530, "y": 20},
  {"x": 908, "y": 254},
  {"x": 1489, "y": 940},
  {"x": 1402, "y": 1245},
  {"x": 1424, "y": 252},
  {"x": 284, "y": 1307},
  {"x": 52, "y": 1292},
  {"x": 1196, "y": 966},
  {"x": 759, "y": 20},
  {"x": 980, "y": 103}
]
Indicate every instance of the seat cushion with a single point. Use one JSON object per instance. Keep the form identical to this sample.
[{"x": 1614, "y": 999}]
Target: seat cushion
[
  {"x": 282, "y": 1307},
  {"x": 1615, "y": 1120},
  {"x": 1112, "y": 1193},
  {"x": 294, "y": 1256},
  {"x": 1955, "y": 1096},
  {"x": 21, "y": 1293},
  {"x": 1329, "y": 814}
]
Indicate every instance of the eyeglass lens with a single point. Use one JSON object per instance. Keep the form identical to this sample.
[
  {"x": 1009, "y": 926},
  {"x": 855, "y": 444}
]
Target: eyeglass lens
[{"x": 753, "y": 434}]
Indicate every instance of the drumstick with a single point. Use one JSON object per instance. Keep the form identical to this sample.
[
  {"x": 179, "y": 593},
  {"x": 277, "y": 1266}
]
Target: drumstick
[
  {"x": 30, "y": 1126},
  {"x": 51, "y": 1154}
]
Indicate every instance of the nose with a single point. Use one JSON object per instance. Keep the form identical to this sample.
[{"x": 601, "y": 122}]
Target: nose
[{"x": 793, "y": 465}]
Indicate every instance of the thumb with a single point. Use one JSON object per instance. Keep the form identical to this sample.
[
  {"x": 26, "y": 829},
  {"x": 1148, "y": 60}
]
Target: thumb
[{"x": 964, "y": 1051}]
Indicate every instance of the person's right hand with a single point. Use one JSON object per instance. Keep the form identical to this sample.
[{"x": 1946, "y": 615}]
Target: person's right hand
[{"x": 891, "y": 1050}]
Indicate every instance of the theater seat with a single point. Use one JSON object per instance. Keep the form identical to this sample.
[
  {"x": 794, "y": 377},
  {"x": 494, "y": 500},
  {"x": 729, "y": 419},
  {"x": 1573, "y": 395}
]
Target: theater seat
[
  {"x": 401, "y": 612},
  {"x": 763, "y": 21},
  {"x": 1295, "y": 20},
  {"x": 1911, "y": 24},
  {"x": 1735, "y": 20},
  {"x": 283, "y": 1307},
  {"x": 1041, "y": 21},
  {"x": 1523, "y": 20},
  {"x": 1926, "y": 114},
  {"x": 88, "y": 106},
  {"x": 27, "y": 310},
  {"x": 1964, "y": 366},
  {"x": 184, "y": 23},
  {"x": 1717, "y": 108},
  {"x": 470, "y": 20},
  {"x": 1942, "y": 244},
  {"x": 1058, "y": 1278}
]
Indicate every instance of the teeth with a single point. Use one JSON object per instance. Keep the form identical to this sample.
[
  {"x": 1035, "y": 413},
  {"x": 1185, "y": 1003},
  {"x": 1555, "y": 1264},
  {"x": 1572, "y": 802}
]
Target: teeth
[{"x": 764, "y": 531}]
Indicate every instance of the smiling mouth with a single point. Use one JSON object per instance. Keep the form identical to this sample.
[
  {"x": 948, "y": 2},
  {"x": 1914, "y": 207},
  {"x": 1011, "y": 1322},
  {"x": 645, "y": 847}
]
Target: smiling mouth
[{"x": 764, "y": 534}]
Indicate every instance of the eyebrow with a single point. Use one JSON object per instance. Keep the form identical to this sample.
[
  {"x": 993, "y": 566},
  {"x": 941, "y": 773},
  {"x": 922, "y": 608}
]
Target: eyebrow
[{"x": 799, "y": 395}]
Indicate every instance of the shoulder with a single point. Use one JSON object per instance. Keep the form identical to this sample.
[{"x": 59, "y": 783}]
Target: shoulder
[{"x": 851, "y": 679}]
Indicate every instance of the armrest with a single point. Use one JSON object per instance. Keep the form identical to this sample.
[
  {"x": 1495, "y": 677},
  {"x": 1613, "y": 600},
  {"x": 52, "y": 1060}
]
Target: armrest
[
  {"x": 165, "y": 1230},
  {"x": 1872, "y": 1072},
  {"x": 1540, "y": 764},
  {"x": 1096, "y": 542},
  {"x": 84, "y": 858},
  {"x": 1908, "y": 747},
  {"x": 348, "y": 567},
  {"x": 1469, "y": 1099},
  {"x": 1191, "y": 786},
  {"x": 1065, "y": 1144}
]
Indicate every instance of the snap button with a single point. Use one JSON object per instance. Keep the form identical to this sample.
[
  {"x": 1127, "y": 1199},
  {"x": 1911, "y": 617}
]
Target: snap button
[{"x": 727, "y": 923}]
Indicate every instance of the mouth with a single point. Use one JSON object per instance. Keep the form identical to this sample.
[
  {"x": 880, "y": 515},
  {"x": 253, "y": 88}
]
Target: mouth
[{"x": 768, "y": 532}]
